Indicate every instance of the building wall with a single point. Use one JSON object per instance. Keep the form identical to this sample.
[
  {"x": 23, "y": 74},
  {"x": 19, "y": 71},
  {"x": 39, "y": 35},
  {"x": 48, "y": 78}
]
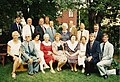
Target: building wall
[{"x": 65, "y": 17}]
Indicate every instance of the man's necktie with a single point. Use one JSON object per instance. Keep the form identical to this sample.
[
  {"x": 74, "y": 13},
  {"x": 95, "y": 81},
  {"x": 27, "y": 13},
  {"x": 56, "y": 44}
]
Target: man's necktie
[
  {"x": 81, "y": 35},
  {"x": 31, "y": 30},
  {"x": 103, "y": 48},
  {"x": 29, "y": 47}
]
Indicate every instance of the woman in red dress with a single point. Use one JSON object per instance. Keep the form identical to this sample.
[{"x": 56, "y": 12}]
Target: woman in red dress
[{"x": 46, "y": 47}]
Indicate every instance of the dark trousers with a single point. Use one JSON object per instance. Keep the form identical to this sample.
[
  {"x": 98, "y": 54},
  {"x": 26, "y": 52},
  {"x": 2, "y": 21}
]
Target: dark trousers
[{"x": 90, "y": 66}]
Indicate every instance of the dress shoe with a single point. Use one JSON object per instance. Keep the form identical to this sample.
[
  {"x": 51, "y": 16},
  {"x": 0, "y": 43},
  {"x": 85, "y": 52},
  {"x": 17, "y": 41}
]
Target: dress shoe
[
  {"x": 105, "y": 76},
  {"x": 31, "y": 74},
  {"x": 117, "y": 71},
  {"x": 88, "y": 74}
]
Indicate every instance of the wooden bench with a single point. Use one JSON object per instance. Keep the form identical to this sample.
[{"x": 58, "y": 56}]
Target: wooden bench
[
  {"x": 3, "y": 58},
  {"x": 3, "y": 53},
  {"x": 22, "y": 67}
]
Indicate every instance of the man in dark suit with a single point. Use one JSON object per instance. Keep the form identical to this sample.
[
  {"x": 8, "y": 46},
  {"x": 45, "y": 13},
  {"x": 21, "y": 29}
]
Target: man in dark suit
[
  {"x": 92, "y": 54},
  {"x": 40, "y": 29},
  {"x": 98, "y": 33},
  {"x": 16, "y": 27}
]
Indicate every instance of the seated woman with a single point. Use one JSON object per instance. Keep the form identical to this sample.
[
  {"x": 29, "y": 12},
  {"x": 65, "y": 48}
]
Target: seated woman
[
  {"x": 72, "y": 48},
  {"x": 37, "y": 43},
  {"x": 58, "y": 50},
  {"x": 82, "y": 56},
  {"x": 46, "y": 47},
  {"x": 14, "y": 50}
]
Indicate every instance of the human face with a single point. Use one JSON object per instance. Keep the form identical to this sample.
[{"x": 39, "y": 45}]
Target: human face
[
  {"x": 51, "y": 24},
  {"x": 15, "y": 36},
  {"x": 37, "y": 38},
  {"x": 96, "y": 28},
  {"x": 29, "y": 21},
  {"x": 71, "y": 24},
  {"x": 46, "y": 38},
  {"x": 64, "y": 27},
  {"x": 41, "y": 21},
  {"x": 47, "y": 20},
  {"x": 57, "y": 38},
  {"x": 73, "y": 38},
  {"x": 17, "y": 20},
  {"x": 28, "y": 38},
  {"x": 105, "y": 39},
  {"x": 82, "y": 26},
  {"x": 92, "y": 37},
  {"x": 83, "y": 40}
]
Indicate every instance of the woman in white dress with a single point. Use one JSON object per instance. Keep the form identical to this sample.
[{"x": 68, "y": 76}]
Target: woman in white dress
[
  {"x": 81, "y": 56},
  {"x": 14, "y": 50},
  {"x": 40, "y": 54}
]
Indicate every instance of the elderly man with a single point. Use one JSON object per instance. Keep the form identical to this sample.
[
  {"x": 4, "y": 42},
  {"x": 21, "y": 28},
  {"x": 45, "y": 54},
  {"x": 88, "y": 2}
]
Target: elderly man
[
  {"x": 28, "y": 28},
  {"x": 30, "y": 54},
  {"x": 107, "y": 51}
]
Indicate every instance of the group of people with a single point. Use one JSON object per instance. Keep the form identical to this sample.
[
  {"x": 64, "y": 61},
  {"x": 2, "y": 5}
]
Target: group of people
[{"x": 42, "y": 45}]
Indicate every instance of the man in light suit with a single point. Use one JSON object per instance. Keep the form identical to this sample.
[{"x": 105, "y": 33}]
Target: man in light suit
[
  {"x": 40, "y": 29},
  {"x": 30, "y": 54},
  {"x": 28, "y": 28},
  {"x": 72, "y": 29},
  {"x": 51, "y": 31},
  {"x": 92, "y": 54},
  {"x": 82, "y": 32},
  {"x": 107, "y": 51}
]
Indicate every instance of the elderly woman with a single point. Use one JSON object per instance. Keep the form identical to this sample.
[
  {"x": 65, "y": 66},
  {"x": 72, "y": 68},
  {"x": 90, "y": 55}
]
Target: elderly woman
[
  {"x": 81, "y": 56},
  {"x": 37, "y": 43},
  {"x": 58, "y": 50},
  {"x": 65, "y": 34},
  {"x": 72, "y": 50},
  {"x": 14, "y": 50},
  {"x": 46, "y": 47}
]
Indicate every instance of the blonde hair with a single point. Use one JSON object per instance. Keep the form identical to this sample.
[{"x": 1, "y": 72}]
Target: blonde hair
[
  {"x": 92, "y": 34},
  {"x": 45, "y": 35},
  {"x": 57, "y": 35},
  {"x": 15, "y": 33}
]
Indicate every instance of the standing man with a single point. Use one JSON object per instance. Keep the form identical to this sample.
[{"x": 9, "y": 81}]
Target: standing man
[
  {"x": 40, "y": 29},
  {"x": 92, "y": 54},
  {"x": 106, "y": 58},
  {"x": 98, "y": 33},
  {"x": 16, "y": 27},
  {"x": 51, "y": 31},
  {"x": 72, "y": 29},
  {"x": 28, "y": 28},
  {"x": 82, "y": 32},
  {"x": 30, "y": 53}
]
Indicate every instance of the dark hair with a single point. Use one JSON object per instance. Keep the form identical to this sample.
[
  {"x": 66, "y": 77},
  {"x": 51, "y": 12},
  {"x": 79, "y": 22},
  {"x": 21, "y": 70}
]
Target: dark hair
[
  {"x": 105, "y": 34},
  {"x": 34, "y": 35},
  {"x": 83, "y": 37},
  {"x": 72, "y": 35},
  {"x": 17, "y": 16}
]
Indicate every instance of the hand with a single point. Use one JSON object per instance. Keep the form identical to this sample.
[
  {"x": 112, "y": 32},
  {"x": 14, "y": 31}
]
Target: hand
[
  {"x": 39, "y": 60},
  {"x": 49, "y": 52},
  {"x": 14, "y": 57},
  {"x": 89, "y": 58},
  {"x": 31, "y": 61}
]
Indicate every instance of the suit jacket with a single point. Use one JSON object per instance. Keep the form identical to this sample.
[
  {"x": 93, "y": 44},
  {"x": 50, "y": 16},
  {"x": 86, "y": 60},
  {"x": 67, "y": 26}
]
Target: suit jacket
[
  {"x": 84, "y": 33},
  {"x": 49, "y": 31},
  {"x": 39, "y": 30},
  {"x": 108, "y": 51},
  {"x": 25, "y": 51},
  {"x": 99, "y": 36},
  {"x": 94, "y": 51}
]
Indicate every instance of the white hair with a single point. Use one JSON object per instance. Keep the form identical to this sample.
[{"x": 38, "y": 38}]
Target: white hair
[
  {"x": 65, "y": 24},
  {"x": 45, "y": 35}
]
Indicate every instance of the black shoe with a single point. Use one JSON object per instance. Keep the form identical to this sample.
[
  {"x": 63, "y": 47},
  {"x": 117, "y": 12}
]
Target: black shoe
[
  {"x": 105, "y": 76},
  {"x": 31, "y": 74},
  {"x": 117, "y": 71}
]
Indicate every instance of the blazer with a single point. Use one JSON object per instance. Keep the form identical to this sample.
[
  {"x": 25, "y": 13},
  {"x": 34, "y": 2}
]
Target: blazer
[
  {"x": 99, "y": 36},
  {"x": 39, "y": 30},
  {"x": 94, "y": 51},
  {"x": 49, "y": 31},
  {"x": 85, "y": 33},
  {"x": 108, "y": 51},
  {"x": 25, "y": 50},
  {"x": 14, "y": 27}
]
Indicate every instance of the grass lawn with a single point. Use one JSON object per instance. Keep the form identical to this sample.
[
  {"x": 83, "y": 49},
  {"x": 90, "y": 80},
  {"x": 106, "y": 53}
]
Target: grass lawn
[{"x": 64, "y": 76}]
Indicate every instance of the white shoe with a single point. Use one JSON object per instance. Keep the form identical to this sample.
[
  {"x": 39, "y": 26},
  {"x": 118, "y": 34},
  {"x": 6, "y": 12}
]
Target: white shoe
[
  {"x": 46, "y": 67},
  {"x": 13, "y": 75},
  {"x": 52, "y": 71},
  {"x": 43, "y": 71},
  {"x": 83, "y": 70}
]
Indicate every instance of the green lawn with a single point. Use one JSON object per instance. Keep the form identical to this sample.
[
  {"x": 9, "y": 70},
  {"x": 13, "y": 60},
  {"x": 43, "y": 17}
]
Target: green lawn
[{"x": 65, "y": 76}]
